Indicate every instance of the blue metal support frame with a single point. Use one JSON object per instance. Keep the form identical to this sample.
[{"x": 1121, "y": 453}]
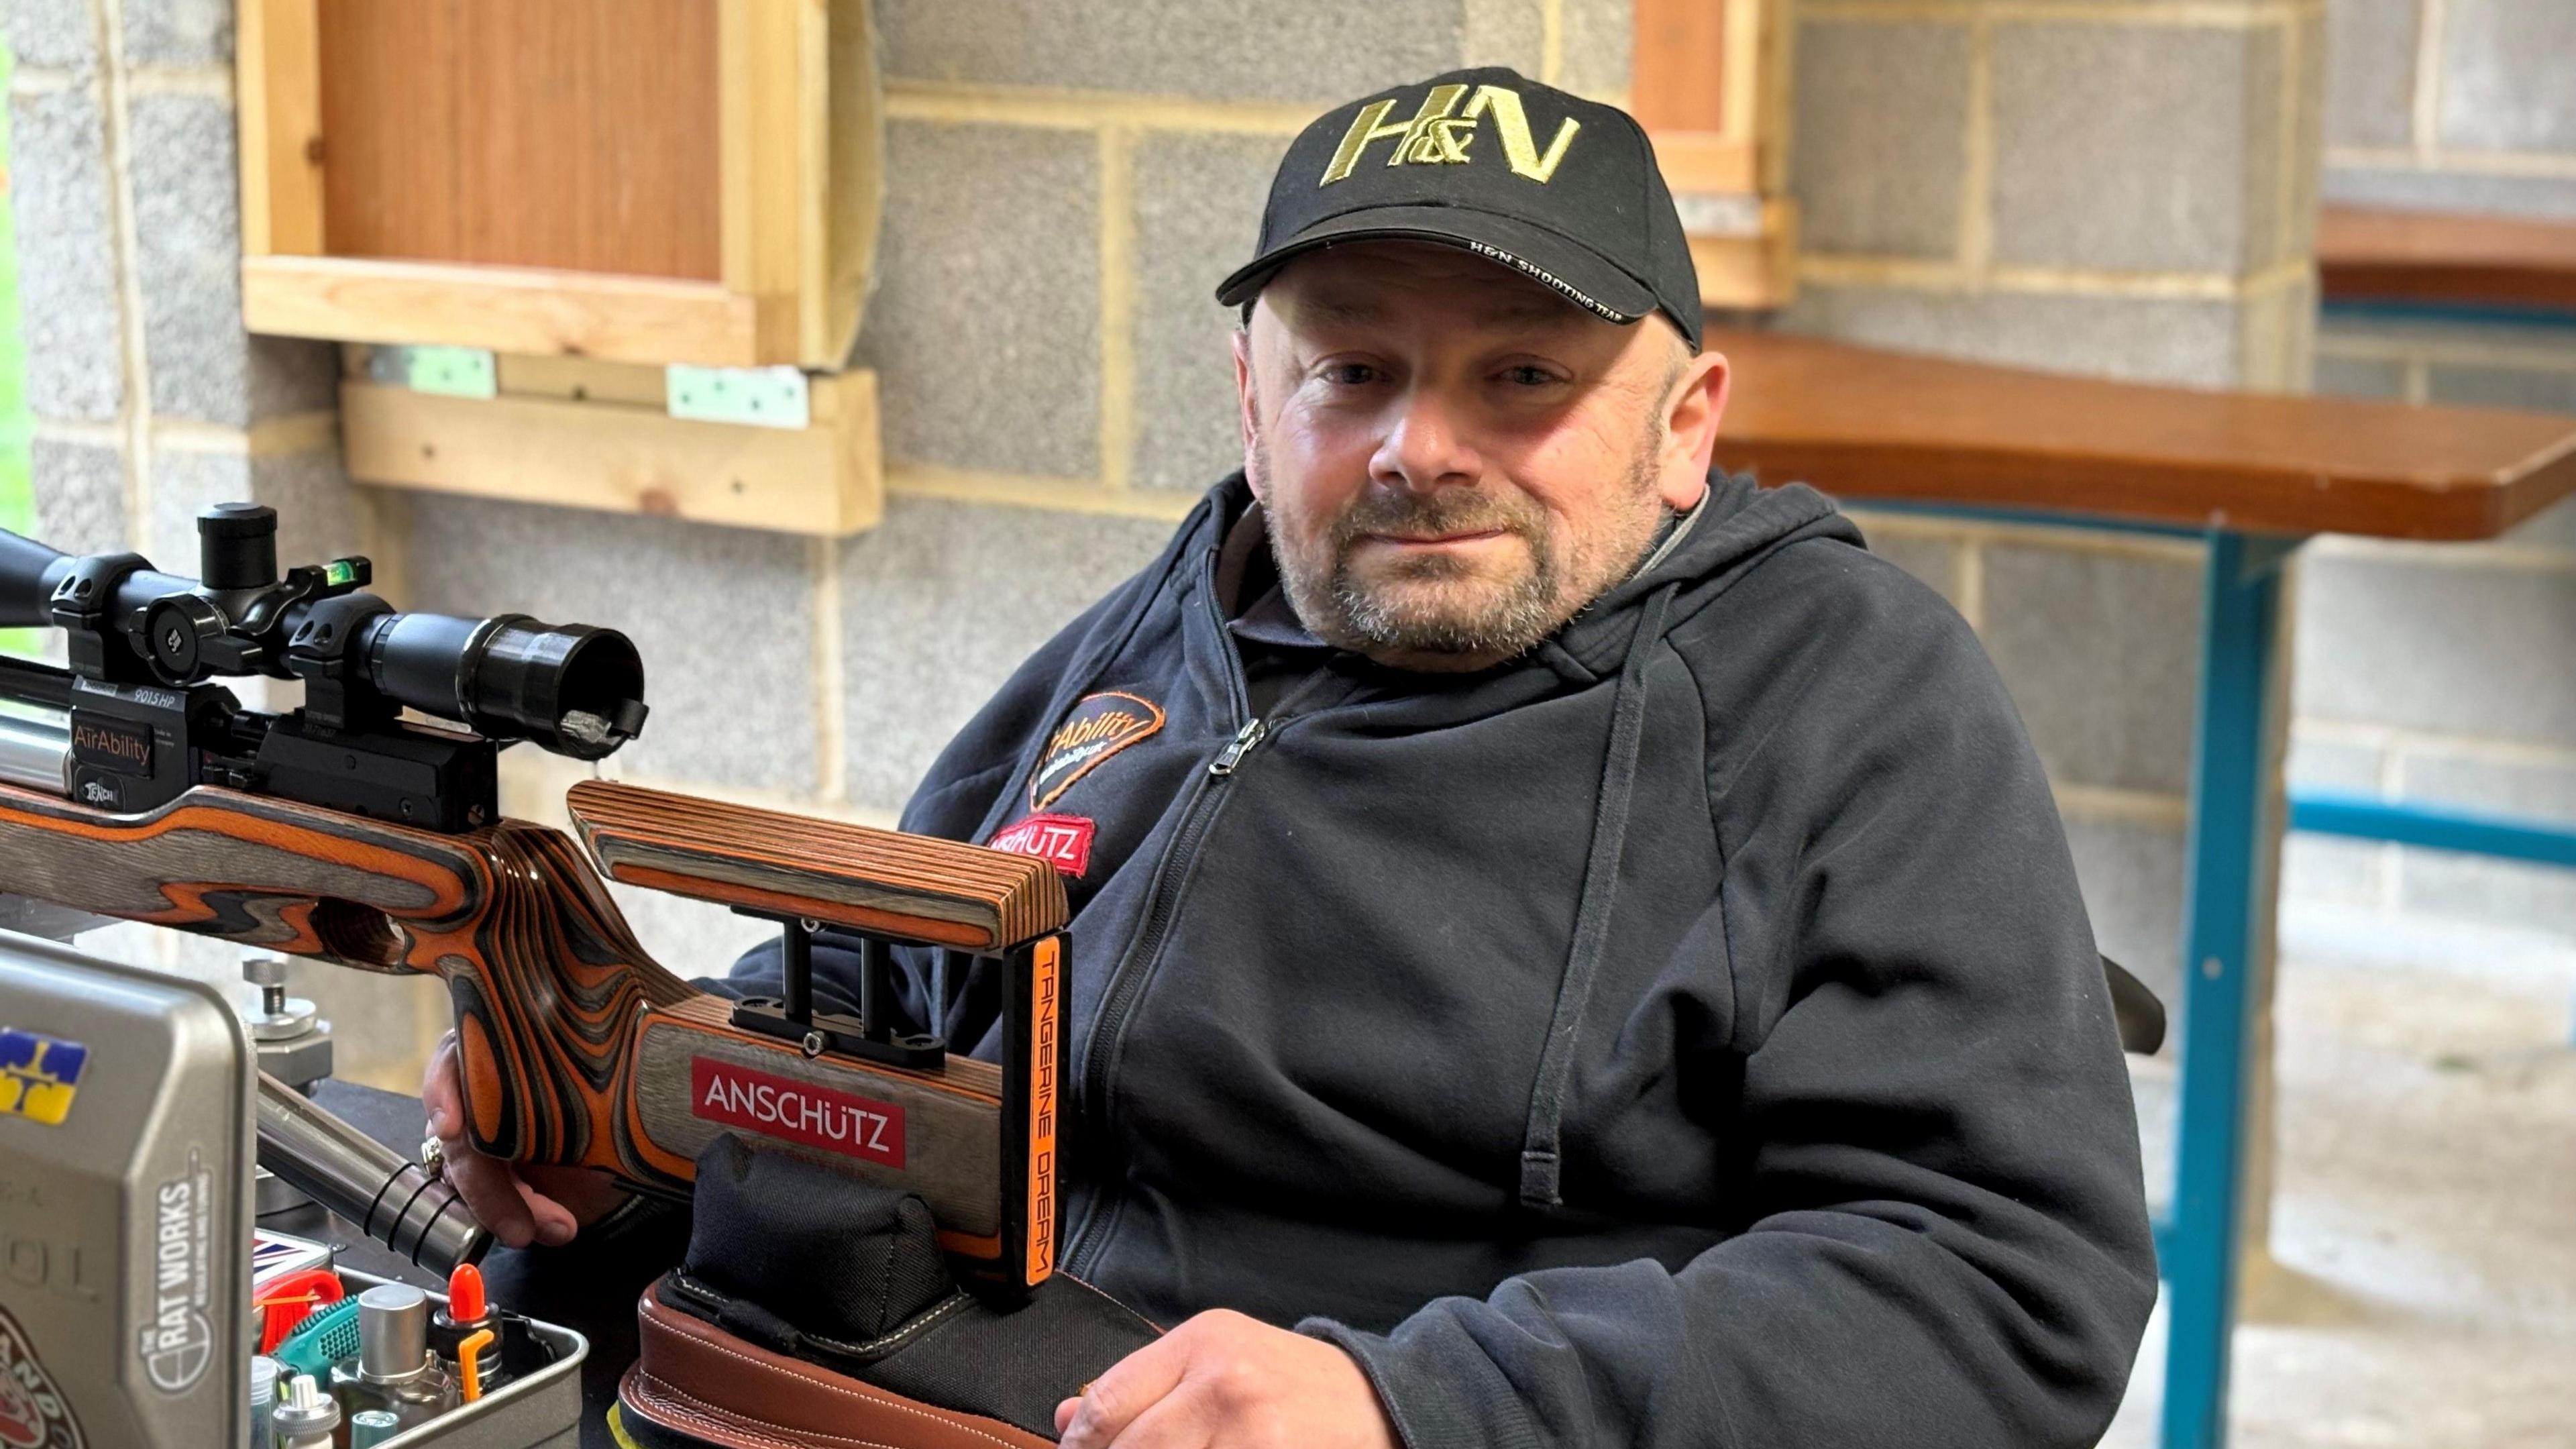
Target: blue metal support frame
[
  {"x": 2240, "y": 599},
  {"x": 2198, "y": 1245},
  {"x": 2440, "y": 827}
]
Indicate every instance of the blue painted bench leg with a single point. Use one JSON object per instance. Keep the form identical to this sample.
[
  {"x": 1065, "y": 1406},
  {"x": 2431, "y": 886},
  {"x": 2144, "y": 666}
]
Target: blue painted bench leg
[{"x": 2240, "y": 599}]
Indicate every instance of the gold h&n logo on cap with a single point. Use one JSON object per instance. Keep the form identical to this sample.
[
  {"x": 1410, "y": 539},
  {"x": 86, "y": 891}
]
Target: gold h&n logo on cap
[{"x": 1439, "y": 133}]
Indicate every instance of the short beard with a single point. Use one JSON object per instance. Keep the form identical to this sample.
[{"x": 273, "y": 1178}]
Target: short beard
[{"x": 1377, "y": 617}]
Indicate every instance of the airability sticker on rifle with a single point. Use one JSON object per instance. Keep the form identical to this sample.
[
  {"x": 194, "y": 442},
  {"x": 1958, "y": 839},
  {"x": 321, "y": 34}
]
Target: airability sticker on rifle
[
  {"x": 1098, "y": 726},
  {"x": 33, "y": 1413}
]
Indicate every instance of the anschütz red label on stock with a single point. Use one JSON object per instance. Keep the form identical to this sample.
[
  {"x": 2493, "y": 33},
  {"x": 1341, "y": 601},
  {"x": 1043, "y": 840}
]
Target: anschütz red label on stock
[{"x": 795, "y": 1111}]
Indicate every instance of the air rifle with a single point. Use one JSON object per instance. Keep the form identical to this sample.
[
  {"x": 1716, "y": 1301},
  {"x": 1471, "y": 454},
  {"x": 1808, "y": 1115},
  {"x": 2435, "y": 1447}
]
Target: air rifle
[{"x": 134, "y": 785}]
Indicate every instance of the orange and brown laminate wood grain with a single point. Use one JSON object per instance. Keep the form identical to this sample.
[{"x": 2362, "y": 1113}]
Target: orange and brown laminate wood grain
[
  {"x": 550, "y": 987},
  {"x": 1862, "y": 423},
  {"x": 937, "y": 891}
]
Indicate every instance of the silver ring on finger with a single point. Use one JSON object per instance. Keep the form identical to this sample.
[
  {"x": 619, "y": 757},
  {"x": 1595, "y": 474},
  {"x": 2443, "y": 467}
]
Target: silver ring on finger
[{"x": 433, "y": 1157}]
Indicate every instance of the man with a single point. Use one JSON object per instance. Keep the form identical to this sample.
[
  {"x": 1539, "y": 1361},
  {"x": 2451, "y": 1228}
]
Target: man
[{"x": 1569, "y": 948}]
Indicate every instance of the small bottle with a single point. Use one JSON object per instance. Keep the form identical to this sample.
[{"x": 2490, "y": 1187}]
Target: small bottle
[
  {"x": 263, "y": 1398},
  {"x": 371, "y": 1427},
  {"x": 394, "y": 1369},
  {"x": 305, "y": 1418}
]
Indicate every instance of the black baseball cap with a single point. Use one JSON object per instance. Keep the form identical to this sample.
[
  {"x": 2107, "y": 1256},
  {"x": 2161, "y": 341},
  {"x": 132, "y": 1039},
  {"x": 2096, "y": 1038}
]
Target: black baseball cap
[{"x": 1561, "y": 189}]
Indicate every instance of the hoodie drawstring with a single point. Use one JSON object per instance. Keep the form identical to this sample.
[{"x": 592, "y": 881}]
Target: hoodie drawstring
[{"x": 1540, "y": 1162}]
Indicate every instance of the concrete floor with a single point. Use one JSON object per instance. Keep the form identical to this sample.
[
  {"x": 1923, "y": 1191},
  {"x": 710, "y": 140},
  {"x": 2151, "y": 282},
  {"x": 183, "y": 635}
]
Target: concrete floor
[{"x": 2422, "y": 1288}]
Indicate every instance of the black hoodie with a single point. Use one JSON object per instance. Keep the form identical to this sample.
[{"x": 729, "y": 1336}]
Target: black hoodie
[{"x": 1686, "y": 1033}]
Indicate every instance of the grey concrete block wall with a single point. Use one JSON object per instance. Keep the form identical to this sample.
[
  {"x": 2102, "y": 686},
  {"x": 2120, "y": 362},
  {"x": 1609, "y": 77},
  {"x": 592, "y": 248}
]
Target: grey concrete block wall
[
  {"x": 2330, "y": 869},
  {"x": 1198, "y": 214},
  {"x": 2137, "y": 149},
  {"x": 2132, "y": 875},
  {"x": 2451, "y": 648},
  {"x": 2370, "y": 91},
  {"x": 187, "y": 262},
  {"x": 178, "y": 32},
  {"x": 1598, "y": 47},
  {"x": 938, "y": 606},
  {"x": 724, "y": 619},
  {"x": 60, "y": 197},
  {"x": 2504, "y": 75},
  {"x": 318, "y": 516},
  {"x": 1174, "y": 47},
  {"x": 985, "y": 324},
  {"x": 2500, "y": 134},
  {"x": 2133, "y": 338},
  {"x": 2101, "y": 652},
  {"x": 2121, "y": 191},
  {"x": 2408, "y": 188},
  {"x": 1881, "y": 126},
  {"x": 50, "y": 34},
  {"x": 2503, "y": 385},
  {"x": 80, "y": 495},
  {"x": 2451, "y": 663},
  {"x": 1934, "y": 560}
]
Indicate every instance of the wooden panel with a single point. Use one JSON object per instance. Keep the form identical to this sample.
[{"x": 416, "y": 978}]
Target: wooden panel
[
  {"x": 279, "y": 83},
  {"x": 877, "y": 880},
  {"x": 1867, "y": 424},
  {"x": 575, "y": 134},
  {"x": 1705, "y": 161},
  {"x": 1679, "y": 76},
  {"x": 2368, "y": 255},
  {"x": 822, "y": 480},
  {"x": 580, "y": 379},
  {"x": 632, "y": 319}
]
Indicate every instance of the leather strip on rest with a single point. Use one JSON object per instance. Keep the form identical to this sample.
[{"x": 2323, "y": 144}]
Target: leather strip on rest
[{"x": 697, "y": 1379}]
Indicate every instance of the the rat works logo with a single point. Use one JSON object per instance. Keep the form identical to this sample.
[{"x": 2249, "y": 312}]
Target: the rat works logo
[{"x": 179, "y": 1342}]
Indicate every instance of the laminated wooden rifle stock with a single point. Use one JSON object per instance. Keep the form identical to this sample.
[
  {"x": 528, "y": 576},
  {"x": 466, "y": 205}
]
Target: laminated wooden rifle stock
[{"x": 575, "y": 1047}]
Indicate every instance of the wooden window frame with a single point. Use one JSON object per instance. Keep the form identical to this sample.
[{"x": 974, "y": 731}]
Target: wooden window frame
[
  {"x": 797, "y": 169},
  {"x": 1732, "y": 47}
]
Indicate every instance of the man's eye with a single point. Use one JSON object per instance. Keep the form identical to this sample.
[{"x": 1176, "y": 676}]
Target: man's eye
[
  {"x": 1349, "y": 374},
  {"x": 1528, "y": 375}
]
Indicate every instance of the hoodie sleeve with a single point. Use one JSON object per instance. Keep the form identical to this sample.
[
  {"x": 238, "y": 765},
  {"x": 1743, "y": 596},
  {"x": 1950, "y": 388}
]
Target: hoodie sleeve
[{"x": 1940, "y": 1236}]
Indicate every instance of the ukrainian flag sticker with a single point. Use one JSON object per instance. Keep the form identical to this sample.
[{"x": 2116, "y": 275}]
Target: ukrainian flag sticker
[{"x": 39, "y": 1074}]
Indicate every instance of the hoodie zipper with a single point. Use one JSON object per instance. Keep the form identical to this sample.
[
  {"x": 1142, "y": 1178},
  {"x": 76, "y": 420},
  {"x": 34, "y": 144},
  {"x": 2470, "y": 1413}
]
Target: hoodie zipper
[{"x": 1128, "y": 982}]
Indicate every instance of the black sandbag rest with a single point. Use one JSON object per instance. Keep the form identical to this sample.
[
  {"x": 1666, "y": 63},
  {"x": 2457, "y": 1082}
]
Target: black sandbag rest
[{"x": 792, "y": 1254}]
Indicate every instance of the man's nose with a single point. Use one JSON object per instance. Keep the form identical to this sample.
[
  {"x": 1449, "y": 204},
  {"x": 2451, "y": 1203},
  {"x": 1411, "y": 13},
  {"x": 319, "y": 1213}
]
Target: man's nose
[{"x": 1425, "y": 448}]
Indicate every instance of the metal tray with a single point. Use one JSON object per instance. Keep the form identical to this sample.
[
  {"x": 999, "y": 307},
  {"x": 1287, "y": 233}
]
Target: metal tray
[{"x": 541, "y": 1411}]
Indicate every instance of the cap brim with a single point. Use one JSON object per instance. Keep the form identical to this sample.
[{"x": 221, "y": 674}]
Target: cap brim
[{"x": 1572, "y": 270}]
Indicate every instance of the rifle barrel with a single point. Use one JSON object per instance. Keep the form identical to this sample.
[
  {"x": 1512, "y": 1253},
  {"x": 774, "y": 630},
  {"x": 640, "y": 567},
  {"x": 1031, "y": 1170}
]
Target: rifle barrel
[{"x": 36, "y": 753}]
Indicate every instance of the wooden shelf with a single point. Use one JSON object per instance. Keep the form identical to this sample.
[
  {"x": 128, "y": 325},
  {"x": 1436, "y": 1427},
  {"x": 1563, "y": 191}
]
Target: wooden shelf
[
  {"x": 2438, "y": 259},
  {"x": 1863, "y": 424},
  {"x": 594, "y": 435}
]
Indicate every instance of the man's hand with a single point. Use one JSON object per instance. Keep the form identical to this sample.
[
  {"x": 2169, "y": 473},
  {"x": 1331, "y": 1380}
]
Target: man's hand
[
  {"x": 1224, "y": 1381},
  {"x": 521, "y": 1205}
]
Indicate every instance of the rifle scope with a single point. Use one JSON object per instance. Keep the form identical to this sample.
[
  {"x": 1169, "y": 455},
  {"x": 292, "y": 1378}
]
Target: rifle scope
[{"x": 568, "y": 688}]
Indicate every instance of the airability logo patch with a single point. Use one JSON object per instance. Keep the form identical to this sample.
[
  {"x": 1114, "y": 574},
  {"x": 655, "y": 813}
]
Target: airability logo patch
[{"x": 1098, "y": 726}]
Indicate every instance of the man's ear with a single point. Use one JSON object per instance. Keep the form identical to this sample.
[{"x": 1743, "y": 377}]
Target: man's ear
[
  {"x": 1244, "y": 402},
  {"x": 1691, "y": 417}
]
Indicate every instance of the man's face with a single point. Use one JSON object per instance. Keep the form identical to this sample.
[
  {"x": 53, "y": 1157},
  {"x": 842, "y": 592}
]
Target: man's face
[{"x": 1454, "y": 459}]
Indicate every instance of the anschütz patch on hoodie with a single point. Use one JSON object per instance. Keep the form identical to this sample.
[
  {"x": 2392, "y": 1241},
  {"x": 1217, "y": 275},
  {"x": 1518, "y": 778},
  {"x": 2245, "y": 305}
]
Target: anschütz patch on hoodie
[{"x": 1098, "y": 726}]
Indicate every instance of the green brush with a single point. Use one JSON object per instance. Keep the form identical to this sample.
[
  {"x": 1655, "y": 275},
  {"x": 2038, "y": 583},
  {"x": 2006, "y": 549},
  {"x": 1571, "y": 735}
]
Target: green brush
[{"x": 324, "y": 1339}]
